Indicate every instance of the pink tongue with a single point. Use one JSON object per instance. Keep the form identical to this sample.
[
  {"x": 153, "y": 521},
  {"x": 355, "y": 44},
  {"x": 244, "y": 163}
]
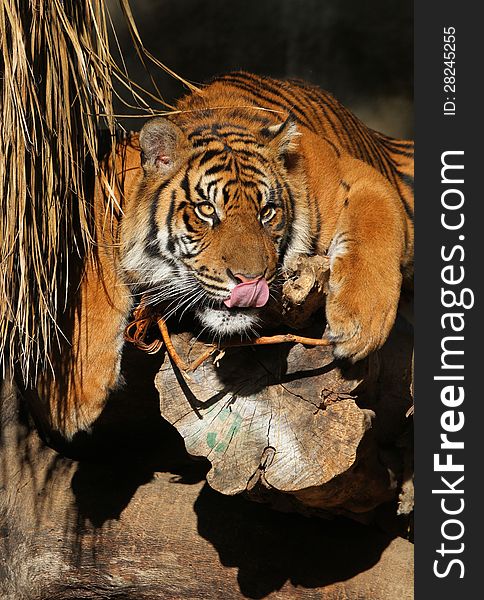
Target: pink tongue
[{"x": 249, "y": 293}]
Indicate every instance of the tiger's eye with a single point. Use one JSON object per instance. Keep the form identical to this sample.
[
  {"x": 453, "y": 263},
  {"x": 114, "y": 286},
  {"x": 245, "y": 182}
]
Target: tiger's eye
[
  {"x": 267, "y": 213},
  {"x": 205, "y": 210}
]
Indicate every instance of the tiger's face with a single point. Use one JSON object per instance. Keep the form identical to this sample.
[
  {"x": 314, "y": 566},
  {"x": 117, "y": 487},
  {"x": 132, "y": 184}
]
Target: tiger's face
[{"x": 212, "y": 222}]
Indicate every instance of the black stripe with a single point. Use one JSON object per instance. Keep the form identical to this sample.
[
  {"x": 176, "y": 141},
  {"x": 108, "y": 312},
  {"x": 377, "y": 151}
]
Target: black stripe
[
  {"x": 208, "y": 155},
  {"x": 210, "y": 277},
  {"x": 318, "y": 228},
  {"x": 151, "y": 241},
  {"x": 407, "y": 179},
  {"x": 226, "y": 194},
  {"x": 230, "y": 182},
  {"x": 289, "y": 212},
  {"x": 249, "y": 183},
  {"x": 216, "y": 169},
  {"x": 201, "y": 248},
  {"x": 205, "y": 141},
  {"x": 185, "y": 185},
  {"x": 281, "y": 225},
  {"x": 213, "y": 287},
  {"x": 394, "y": 142},
  {"x": 407, "y": 208},
  {"x": 198, "y": 131},
  {"x": 328, "y": 109},
  {"x": 376, "y": 157},
  {"x": 251, "y": 154},
  {"x": 186, "y": 220},
  {"x": 200, "y": 191},
  {"x": 395, "y": 150},
  {"x": 244, "y": 135},
  {"x": 170, "y": 246},
  {"x": 211, "y": 184},
  {"x": 191, "y": 254},
  {"x": 335, "y": 148},
  {"x": 253, "y": 169}
]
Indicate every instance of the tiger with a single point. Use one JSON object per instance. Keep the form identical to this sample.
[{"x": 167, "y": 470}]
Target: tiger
[
  {"x": 253, "y": 172},
  {"x": 244, "y": 176}
]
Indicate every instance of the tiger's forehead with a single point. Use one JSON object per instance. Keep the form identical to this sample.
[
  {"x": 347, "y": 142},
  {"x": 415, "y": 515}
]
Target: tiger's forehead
[
  {"x": 230, "y": 154},
  {"x": 225, "y": 181},
  {"x": 220, "y": 174},
  {"x": 230, "y": 134}
]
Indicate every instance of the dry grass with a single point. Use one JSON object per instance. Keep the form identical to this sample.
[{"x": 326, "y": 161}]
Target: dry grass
[{"x": 56, "y": 98}]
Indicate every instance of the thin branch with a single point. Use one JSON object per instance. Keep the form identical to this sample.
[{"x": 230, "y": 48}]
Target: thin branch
[{"x": 137, "y": 330}]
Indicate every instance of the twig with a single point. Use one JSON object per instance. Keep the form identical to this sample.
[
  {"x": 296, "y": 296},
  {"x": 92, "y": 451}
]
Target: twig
[
  {"x": 261, "y": 341},
  {"x": 280, "y": 339},
  {"x": 170, "y": 348},
  {"x": 137, "y": 330}
]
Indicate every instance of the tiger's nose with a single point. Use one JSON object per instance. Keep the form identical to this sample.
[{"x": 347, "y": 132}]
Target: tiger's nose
[{"x": 245, "y": 277}]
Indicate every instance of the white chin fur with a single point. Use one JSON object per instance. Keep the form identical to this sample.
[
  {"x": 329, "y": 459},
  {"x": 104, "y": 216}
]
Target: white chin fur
[{"x": 226, "y": 322}]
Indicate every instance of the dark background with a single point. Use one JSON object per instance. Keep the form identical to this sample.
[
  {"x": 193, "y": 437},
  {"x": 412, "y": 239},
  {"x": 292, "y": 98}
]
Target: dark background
[
  {"x": 437, "y": 133},
  {"x": 362, "y": 52}
]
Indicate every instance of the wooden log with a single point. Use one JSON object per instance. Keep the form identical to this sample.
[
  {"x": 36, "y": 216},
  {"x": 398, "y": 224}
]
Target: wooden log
[{"x": 123, "y": 513}]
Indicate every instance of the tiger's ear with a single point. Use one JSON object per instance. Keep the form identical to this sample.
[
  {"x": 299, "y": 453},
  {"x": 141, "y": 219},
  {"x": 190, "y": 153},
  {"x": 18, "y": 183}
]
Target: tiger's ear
[
  {"x": 282, "y": 137},
  {"x": 163, "y": 146}
]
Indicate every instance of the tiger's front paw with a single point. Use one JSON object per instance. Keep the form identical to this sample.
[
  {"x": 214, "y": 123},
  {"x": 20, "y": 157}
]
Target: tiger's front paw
[{"x": 358, "y": 328}]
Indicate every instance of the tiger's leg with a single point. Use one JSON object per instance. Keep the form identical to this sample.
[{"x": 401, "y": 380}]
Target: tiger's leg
[
  {"x": 366, "y": 255},
  {"x": 85, "y": 367},
  {"x": 98, "y": 342}
]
